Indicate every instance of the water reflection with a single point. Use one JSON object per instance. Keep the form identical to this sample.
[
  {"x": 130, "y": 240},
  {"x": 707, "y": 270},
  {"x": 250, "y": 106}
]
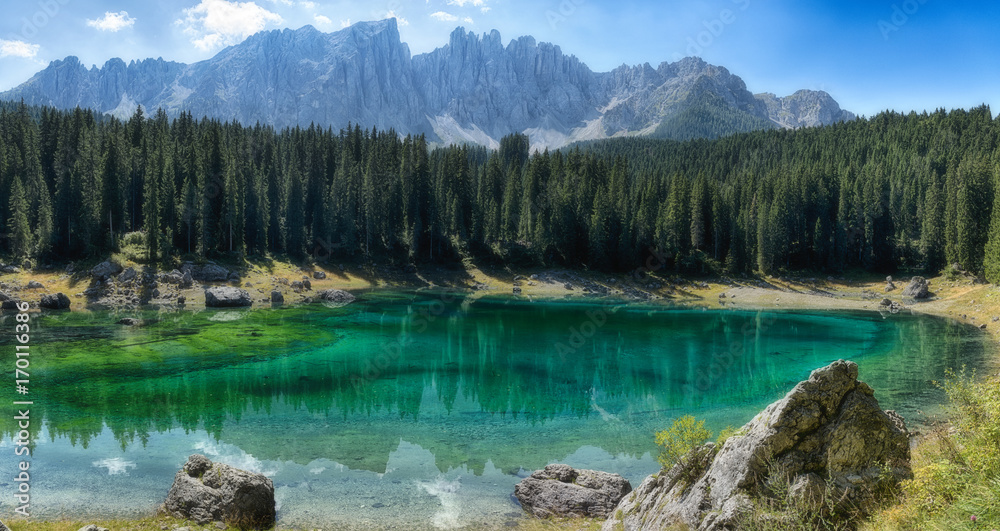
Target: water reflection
[{"x": 507, "y": 384}]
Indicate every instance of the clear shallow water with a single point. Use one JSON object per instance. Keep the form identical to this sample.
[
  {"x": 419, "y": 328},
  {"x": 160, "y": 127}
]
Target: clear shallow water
[{"x": 424, "y": 410}]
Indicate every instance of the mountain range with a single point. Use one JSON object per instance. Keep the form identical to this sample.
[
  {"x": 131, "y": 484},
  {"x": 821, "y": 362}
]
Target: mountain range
[{"x": 474, "y": 89}]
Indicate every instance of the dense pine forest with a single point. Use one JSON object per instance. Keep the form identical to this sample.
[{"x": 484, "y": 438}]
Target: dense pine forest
[{"x": 897, "y": 191}]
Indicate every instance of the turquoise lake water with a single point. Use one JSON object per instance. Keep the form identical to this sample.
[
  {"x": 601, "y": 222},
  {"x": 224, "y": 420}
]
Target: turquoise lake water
[{"x": 423, "y": 410}]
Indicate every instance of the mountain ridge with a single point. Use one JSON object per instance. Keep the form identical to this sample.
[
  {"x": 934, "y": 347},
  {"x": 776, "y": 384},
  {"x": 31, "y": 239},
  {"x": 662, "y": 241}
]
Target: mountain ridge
[{"x": 473, "y": 89}]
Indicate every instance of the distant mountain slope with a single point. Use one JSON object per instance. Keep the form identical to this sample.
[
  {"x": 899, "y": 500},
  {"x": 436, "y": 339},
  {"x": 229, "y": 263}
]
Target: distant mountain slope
[{"x": 474, "y": 89}]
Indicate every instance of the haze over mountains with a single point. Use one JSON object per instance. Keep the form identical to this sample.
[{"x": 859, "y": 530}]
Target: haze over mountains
[{"x": 474, "y": 89}]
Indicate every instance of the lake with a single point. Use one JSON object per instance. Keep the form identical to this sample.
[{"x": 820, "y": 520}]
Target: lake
[{"x": 424, "y": 409}]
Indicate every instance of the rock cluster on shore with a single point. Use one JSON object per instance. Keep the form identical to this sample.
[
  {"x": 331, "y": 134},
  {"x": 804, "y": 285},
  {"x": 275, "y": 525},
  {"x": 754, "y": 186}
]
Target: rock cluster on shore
[
  {"x": 827, "y": 439},
  {"x": 560, "y": 490}
]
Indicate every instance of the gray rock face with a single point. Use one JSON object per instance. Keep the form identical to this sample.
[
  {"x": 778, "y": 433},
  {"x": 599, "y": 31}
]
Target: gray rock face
[
  {"x": 827, "y": 432},
  {"x": 805, "y": 108},
  {"x": 105, "y": 270},
  {"x": 560, "y": 490},
  {"x": 472, "y": 90},
  {"x": 336, "y": 296},
  {"x": 918, "y": 288},
  {"x": 212, "y": 492},
  {"x": 210, "y": 273},
  {"x": 227, "y": 297},
  {"x": 56, "y": 301}
]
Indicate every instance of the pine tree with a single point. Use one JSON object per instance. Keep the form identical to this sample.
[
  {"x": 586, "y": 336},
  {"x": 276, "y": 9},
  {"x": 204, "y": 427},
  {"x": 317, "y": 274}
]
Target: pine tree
[{"x": 20, "y": 230}]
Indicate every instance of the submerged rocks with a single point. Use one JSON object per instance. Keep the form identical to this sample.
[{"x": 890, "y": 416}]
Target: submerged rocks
[
  {"x": 56, "y": 301},
  {"x": 560, "y": 490},
  {"x": 227, "y": 297},
  {"x": 827, "y": 439},
  {"x": 213, "y": 492},
  {"x": 918, "y": 288}
]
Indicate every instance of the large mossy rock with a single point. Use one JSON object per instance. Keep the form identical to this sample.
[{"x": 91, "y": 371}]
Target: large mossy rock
[
  {"x": 827, "y": 440},
  {"x": 560, "y": 490},
  {"x": 55, "y": 301},
  {"x": 206, "y": 492}
]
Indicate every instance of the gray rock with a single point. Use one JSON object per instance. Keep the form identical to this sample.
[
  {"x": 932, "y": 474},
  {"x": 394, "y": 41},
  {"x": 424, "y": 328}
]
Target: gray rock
[
  {"x": 8, "y": 302},
  {"x": 128, "y": 275},
  {"x": 307, "y": 285},
  {"x": 277, "y": 297},
  {"x": 34, "y": 284},
  {"x": 227, "y": 297},
  {"x": 319, "y": 275},
  {"x": 918, "y": 288},
  {"x": 336, "y": 296},
  {"x": 181, "y": 300},
  {"x": 560, "y": 490},
  {"x": 92, "y": 527},
  {"x": 128, "y": 321},
  {"x": 210, "y": 273},
  {"x": 105, "y": 270},
  {"x": 10, "y": 269},
  {"x": 55, "y": 301},
  {"x": 829, "y": 425},
  {"x": 213, "y": 492}
]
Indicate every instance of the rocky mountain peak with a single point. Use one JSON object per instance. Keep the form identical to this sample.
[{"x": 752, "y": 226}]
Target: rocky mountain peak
[{"x": 473, "y": 89}]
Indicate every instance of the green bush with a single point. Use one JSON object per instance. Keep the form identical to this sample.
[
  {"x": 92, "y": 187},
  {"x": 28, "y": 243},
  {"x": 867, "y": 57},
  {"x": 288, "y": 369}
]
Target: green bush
[{"x": 683, "y": 436}]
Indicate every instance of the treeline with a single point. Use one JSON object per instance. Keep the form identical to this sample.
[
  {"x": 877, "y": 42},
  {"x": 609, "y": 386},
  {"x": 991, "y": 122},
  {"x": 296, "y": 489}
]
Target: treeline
[{"x": 897, "y": 191}]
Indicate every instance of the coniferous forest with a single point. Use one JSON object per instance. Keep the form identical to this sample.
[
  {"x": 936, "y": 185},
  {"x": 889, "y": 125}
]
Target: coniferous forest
[{"x": 897, "y": 191}]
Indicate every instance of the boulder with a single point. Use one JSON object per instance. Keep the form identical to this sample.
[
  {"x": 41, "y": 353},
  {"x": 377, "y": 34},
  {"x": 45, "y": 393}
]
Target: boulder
[
  {"x": 8, "y": 302},
  {"x": 105, "y": 270},
  {"x": 34, "y": 284},
  {"x": 918, "y": 288},
  {"x": 226, "y": 297},
  {"x": 55, "y": 301},
  {"x": 319, "y": 275},
  {"x": 336, "y": 296},
  {"x": 92, "y": 527},
  {"x": 827, "y": 438},
  {"x": 210, "y": 273},
  {"x": 187, "y": 280},
  {"x": 128, "y": 275},
  {"x": 207, "y": 492},
  {"x": 277, "y": 297},
  {"x": 129, "y": 321},
  {"x": 560, "y": 490},
  {"x": 10, "y": 269}
]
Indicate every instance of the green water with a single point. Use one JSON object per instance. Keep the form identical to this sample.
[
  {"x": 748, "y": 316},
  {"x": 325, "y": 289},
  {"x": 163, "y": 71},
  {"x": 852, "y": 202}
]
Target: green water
[{"x": 424, "y": 410}]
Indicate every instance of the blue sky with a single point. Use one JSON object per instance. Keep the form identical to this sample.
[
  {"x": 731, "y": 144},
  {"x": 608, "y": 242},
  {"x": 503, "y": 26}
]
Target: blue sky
[{"x": 870, "y": 55}]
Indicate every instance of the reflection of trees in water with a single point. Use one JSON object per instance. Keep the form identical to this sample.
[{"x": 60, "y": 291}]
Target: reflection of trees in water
[{"x": 641, "y": 367}]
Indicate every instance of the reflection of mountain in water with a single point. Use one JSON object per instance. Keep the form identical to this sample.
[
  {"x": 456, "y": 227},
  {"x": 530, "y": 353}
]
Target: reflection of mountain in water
[{"x": 491, "y": 380}]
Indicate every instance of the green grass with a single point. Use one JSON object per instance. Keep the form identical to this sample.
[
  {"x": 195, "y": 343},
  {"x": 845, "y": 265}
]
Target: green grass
[{"x": 957, "y": 467}]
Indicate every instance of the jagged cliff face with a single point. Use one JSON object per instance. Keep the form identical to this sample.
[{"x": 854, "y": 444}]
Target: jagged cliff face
[
  {"x": 474, "y": 89},
  {"x": 805, "y": 108}
]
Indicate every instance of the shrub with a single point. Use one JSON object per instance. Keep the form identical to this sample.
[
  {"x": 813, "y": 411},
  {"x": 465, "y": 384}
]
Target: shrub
[{"x": 683, "y": 436}]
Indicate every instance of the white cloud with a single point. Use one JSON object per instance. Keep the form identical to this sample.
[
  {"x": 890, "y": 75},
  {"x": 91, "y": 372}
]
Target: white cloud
[
  {"x": 345, "y": 23},
  {"x": 399, "y": 20},
  {"x": 461, "y": 3},
  {"x": 323, "y": 20},
  {"x": 444, "y": 17},
  {"x": 468, "y": 20},
  {"x": 308, "y": 5},
  {"x": 485, "y": 9},
  {"x": 112, "y": 21},
  {"x": 216, "y": 23},
  {"x": 18, "y": 49}
]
